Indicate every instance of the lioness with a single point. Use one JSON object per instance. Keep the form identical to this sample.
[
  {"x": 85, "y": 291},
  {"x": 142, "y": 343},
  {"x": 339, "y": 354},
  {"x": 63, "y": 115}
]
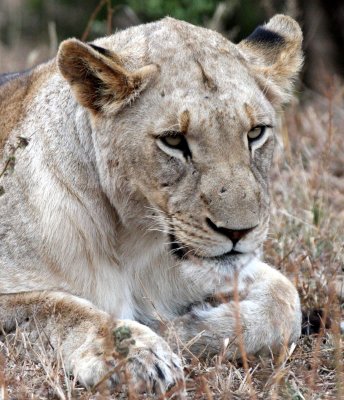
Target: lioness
[{"x": 141, "y": 194}]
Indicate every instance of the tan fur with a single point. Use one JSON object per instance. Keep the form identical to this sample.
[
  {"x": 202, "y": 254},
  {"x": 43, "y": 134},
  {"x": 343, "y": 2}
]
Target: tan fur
[
  {"x": 184, "y": 121},
  {"x": 15, "y": 98},
  {"x": 103, "y": 205}
]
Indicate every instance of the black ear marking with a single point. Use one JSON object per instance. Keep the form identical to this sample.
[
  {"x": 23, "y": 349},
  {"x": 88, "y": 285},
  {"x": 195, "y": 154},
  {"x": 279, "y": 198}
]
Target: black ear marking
[
  {"x": 101, "y": 50},
  {"x": 265, "y": 36}
]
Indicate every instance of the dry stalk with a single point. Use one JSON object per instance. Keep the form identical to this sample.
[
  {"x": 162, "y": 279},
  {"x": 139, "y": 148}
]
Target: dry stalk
[
  {"x": 10, "y": 162},
  {"x": 92, "y": 18},
  {"x": 3, "y": 385},
  {"x": 240, "y": 339},
  {"x": 316, "y": 351},
  {"x": 205, "y": 388},
  {"x": 110, "y": 11},
  {"x": 338, "y": 342}
]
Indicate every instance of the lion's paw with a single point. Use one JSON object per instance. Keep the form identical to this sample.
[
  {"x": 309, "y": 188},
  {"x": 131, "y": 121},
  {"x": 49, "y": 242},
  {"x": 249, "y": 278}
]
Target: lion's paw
[
  {"x": 140, "y": 359},
  {"x": 150, "y": 363}
]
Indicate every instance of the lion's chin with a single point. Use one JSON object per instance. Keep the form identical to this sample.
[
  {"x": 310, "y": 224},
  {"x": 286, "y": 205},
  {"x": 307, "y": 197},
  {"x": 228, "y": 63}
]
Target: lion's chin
[
  {"x": 184, "y": 252},
  {"x": 226, "y": 257}
]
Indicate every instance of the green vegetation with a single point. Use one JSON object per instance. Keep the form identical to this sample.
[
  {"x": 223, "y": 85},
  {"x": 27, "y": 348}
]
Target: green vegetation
[{"x": 196, "y": 12}]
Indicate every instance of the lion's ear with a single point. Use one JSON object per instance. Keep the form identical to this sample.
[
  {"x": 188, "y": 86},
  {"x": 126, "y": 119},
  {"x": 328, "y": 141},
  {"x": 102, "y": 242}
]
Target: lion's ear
[
  {"x": 274, "y": 53},
  {"x": 98, "y": 78}
]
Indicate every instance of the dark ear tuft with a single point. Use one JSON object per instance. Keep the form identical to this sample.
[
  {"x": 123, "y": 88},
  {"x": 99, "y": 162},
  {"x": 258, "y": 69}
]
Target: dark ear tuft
[
  {"x": 265, "y": 37},
  {"x": 101, "y": 50}
]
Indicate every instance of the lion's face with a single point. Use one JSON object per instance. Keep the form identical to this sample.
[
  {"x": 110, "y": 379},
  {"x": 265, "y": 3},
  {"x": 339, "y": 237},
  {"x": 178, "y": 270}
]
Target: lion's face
[
  {"x": 197, "y": 143},
  {"x": 203, "y": 160}
]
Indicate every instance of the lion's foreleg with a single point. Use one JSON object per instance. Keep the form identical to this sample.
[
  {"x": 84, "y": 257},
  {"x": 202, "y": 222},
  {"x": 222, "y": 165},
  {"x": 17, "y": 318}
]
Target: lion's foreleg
[
  {"x": 265, "y": 318},
  {"x": 92, "y": 344},
  {"x": 63, "y": 323}
]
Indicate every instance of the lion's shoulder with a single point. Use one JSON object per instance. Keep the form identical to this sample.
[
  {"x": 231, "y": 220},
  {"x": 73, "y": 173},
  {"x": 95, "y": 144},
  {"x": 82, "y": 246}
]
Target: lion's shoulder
[{"x": 17, "y": 91}]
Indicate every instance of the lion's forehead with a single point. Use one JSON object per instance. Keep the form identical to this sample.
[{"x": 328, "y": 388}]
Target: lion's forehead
[
  {"x": 199, "y": 69},
  {"x": 213, "y": 115}
]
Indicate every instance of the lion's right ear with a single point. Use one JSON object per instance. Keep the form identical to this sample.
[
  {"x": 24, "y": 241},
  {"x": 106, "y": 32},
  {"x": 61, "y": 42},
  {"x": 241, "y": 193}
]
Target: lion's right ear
[
  {"x": 274, "y": 53},
  {"x": 98, "y": 78}
]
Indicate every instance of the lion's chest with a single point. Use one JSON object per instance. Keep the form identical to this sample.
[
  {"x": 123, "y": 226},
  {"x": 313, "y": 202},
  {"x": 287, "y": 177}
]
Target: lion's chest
[
  {"x": 146, "y": 286},
  {"x": 148, "y": 282}
]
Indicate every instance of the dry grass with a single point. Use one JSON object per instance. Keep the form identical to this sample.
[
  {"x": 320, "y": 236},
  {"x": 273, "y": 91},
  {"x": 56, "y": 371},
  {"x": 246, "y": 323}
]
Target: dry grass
[{"x": 305, "y": 242}]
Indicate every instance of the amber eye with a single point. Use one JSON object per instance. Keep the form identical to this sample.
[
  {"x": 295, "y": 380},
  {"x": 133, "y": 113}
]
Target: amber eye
[
  {"x": 256, "y": 133},
  {"x": 176, "y": 140},
  {"x": 173, "y": 141}
]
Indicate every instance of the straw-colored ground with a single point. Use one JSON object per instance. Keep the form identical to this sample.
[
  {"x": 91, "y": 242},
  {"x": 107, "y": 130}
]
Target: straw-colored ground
[{"x": 306, "y": 242}]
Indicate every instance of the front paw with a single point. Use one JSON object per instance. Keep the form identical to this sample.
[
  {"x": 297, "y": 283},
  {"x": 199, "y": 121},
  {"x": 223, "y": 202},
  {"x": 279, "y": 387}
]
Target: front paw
[
  {"x": 139, "y": 358},
  {"x": 150, "y": 363}
]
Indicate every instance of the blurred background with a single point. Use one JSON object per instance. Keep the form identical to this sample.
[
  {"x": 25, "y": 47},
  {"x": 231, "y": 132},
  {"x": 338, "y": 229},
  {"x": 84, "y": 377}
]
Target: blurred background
[{"x": 30, "y": 30}]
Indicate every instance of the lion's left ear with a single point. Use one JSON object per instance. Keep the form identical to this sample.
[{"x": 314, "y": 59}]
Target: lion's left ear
[
  {"x": 98, "y": 78},
  {"x": 274, "y": 54}
]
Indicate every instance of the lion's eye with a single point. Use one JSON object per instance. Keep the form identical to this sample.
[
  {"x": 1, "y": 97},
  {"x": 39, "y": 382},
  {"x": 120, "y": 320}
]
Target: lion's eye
[
  {"x": 173, "y": 141},
  {"x": 176, "y": 140},
  {"x": 256, "y": 133}
]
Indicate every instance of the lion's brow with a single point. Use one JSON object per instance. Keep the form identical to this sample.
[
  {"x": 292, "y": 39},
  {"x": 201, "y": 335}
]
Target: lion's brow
[
  {"x": 250, "y": 114},
  {"x": 184, "y": 121}
]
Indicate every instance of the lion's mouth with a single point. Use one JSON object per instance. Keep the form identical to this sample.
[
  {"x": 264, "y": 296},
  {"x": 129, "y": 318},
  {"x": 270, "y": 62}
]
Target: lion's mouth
[{"x": 183, "y": 252}]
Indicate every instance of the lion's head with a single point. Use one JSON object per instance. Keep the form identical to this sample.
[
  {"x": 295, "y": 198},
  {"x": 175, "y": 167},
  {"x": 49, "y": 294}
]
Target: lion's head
[{"x": 186, "y": 119}]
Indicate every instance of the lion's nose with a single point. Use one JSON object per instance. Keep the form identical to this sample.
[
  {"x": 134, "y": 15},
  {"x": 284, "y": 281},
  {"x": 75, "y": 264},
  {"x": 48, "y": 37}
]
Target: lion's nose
[{"x": 233, "y": 234}]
